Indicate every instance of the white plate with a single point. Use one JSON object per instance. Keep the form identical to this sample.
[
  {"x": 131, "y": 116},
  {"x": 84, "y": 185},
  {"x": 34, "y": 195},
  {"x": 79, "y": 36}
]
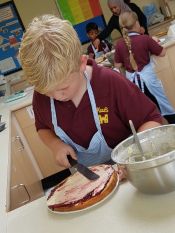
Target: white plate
[{"x": 89, "y": 207}]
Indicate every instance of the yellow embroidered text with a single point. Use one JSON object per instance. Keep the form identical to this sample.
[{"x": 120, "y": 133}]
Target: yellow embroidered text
[{"x": 103, "y": 115}]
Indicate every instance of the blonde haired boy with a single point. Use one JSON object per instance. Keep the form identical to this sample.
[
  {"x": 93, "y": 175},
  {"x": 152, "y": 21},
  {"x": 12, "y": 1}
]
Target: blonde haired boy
[
  {"x": 47, "y": 42},
  {"x": 81, "y": 109}
]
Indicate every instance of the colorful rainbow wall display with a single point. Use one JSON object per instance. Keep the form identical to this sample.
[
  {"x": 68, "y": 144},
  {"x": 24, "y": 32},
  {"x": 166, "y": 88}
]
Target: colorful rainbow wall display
[{"x": 81, "y": 12}]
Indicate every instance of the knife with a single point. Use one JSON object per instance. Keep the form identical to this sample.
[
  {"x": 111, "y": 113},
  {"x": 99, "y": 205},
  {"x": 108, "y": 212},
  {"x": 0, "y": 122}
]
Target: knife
[{"x": 82, "y": 169}]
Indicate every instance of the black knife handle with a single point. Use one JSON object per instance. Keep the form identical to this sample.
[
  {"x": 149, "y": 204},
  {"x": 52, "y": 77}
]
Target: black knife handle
[{"x": 72, "y": 161}]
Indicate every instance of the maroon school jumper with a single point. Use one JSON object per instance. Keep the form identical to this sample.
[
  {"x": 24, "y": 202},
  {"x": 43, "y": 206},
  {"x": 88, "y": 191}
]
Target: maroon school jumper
[
  {"x": 142, "y": 46},
  {"x": 117, "y": 100}
]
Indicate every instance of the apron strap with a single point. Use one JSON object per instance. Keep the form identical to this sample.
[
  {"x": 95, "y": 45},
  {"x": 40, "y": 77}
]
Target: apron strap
[
  {"x": 136, "y": 78},
  {"x": 93, "y": 106},
  {"x": 93, "y": 103}
]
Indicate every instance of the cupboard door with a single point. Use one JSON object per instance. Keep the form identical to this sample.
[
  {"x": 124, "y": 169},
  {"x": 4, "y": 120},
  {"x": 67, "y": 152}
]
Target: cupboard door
[
  {"x": 42, "y": 154},
  {"x": 161, "y": 63},
  {"x": 25, "y": 116},
  {"x": 168, "y": 81},
  {"x": 25, "y": 184},
  {"x": 171, "y": 54}
]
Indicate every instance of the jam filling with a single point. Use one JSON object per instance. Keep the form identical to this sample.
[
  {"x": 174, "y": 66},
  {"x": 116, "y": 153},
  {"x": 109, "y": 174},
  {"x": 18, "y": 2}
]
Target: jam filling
[
  {"x": 54, "y": 189},
  {"x": 88, "y": 196}
]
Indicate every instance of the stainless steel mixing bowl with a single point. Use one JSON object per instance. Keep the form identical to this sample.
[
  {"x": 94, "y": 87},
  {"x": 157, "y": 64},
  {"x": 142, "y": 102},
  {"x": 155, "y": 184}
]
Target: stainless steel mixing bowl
[{"x": 155, "y": 174}]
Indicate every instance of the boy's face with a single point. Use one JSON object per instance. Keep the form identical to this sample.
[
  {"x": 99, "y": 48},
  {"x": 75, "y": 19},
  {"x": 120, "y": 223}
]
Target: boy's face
[
  {"x": 92, "y": 34},
  {"x": 67, "y": 90}
]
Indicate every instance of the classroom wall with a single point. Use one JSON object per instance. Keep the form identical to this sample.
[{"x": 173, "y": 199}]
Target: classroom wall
[
  {"x": 31, "y": 8},
  {"x": 28, "y": 9},
  {"x": 107, "y": 13},
  {"x": 141, "y": 4}
]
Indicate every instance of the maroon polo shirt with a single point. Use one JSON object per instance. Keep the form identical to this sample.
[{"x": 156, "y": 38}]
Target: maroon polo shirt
[
  {"x": 142, "y": 47},
  {"x": 117, "y": 101}
]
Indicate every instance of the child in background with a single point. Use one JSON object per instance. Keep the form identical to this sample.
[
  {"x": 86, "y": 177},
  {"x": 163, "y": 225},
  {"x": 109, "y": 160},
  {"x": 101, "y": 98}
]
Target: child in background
[
  {"x": 81, "y": 109},
  {"x": 117, "y": 7},
  {"x": 133, "y": 53},
  {"x": 104, "y": 46}
]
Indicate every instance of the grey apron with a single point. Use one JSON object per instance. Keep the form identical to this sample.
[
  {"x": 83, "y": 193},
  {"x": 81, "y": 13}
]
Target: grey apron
[{"x": 98, "y": 151}]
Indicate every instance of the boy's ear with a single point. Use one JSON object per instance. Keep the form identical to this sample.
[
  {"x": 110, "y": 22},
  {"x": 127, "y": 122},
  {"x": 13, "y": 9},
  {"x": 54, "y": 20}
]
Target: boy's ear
[{"x": 83, "y": 63}]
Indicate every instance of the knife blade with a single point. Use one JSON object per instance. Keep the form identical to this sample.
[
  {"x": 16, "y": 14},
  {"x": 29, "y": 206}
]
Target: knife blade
[{"x": 85, "y": 171}]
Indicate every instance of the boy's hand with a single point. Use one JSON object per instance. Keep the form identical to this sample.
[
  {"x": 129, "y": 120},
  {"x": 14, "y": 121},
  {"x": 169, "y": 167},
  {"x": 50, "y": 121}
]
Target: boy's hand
[
  {"x": 156, "y": 39},
  {"x": 122, "y": 173},
  {"x": 96, "y": 43},
  {"x": 61, "y": 151}
]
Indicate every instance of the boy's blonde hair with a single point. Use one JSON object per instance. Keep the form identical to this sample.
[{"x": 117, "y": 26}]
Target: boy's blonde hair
[
  {"x": 127, "y": 21},
  {"x": 50, "y": 51}
]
